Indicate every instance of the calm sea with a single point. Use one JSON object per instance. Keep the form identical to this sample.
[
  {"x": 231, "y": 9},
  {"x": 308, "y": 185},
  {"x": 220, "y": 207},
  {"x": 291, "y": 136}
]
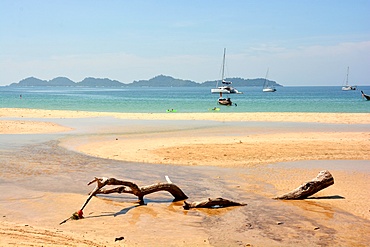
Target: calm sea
[{"x": 188, "y": 99}]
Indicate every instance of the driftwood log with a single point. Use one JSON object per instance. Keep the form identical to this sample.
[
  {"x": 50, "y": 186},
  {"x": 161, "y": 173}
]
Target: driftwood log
[
  {"x": 323, "y": 180},
  {"x": 212, "y": 203},
  {"x": 132, "y": 188}
]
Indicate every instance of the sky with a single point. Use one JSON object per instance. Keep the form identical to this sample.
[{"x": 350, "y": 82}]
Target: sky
[{"x": 300, "y": 42}]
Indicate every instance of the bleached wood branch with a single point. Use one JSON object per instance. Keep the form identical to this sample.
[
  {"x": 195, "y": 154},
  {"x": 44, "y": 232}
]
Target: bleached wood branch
[
  {"x": 212, "y": 203},
  {"x": 323, "y": 180},
  {"x": 132, "y": 188}
]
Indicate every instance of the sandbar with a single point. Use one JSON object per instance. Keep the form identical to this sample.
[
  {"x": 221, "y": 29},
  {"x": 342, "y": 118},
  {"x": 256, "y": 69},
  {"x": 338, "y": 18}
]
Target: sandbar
[{"x": 238, "y": 153}]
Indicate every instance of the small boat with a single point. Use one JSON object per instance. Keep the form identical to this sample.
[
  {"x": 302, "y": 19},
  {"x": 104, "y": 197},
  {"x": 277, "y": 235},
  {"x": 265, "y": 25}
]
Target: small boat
[
  {"x": 269, "y": 89},
  {"x": 227, "y": 88},
  {"x": 223, "y": 101},
  {"x": 266, "y": 86},
  {"x": 348, "y": 87},
  {"x": 367, "y": 97}
]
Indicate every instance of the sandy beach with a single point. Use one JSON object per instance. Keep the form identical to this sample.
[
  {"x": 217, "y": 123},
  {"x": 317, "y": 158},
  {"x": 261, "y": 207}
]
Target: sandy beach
[
  {"x": 241, "y": 156},
  {"x": 339, "y": 118}
]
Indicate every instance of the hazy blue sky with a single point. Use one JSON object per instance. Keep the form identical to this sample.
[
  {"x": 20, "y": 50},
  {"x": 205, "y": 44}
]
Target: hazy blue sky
[{"x": 301, "y": 42}]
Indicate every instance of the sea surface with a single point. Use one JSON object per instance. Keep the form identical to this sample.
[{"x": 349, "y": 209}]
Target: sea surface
[{"x": 185, "y": 99}]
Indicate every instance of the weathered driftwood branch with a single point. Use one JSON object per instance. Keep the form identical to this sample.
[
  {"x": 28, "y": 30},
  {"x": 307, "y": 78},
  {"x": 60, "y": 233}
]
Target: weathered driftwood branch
[
  {"x": 324, "y": 179},
  {"x": 212, "y": 203},
  {"x": 132, "y": 188}
]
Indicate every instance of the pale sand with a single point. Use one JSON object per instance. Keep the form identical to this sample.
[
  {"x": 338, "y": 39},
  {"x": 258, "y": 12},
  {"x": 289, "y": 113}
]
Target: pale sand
[
  {"x": 202, "y": 147},
  {"x": 345, "y": 118},
  {"x": 29, "y": 127}
]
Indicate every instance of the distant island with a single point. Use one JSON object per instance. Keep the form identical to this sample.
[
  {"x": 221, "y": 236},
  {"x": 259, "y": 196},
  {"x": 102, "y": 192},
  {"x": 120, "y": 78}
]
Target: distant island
[{"x": 157, "y": 81}]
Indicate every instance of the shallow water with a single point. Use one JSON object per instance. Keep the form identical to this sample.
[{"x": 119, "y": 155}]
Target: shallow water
[
  {"x": 339, "y": 165},
  {"x": 184, "y": 99},
  {"x": 36, "y": 164}
]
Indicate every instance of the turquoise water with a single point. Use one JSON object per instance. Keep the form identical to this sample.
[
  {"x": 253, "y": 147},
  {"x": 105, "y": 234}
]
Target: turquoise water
[{"x": 188, "y": 99}]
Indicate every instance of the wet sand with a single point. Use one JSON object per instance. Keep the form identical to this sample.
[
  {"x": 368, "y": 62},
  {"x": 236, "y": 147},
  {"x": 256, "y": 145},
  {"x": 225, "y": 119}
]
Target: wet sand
[
  {"x": 339, "y": 118},
  {"x": 236, "y": 157}
]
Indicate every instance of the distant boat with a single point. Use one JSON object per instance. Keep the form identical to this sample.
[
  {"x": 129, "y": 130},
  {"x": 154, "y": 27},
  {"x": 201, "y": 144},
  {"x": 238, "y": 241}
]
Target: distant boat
[
  {"x": 227, "y": 88},
  {"x": 367, "y": 97},
  {"x": 223, "y": 101},
  {"x": 266, "y": 86},
  {"x": 348, "y": 87}
]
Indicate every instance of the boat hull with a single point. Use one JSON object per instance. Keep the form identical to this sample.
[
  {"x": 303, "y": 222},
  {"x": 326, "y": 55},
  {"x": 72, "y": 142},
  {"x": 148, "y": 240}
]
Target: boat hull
[
  {"x": 268, "y": 90},
  {"x": 367, "y": 97},
  {"x": 227, "y": 90},
  {"x": 219, "y": 90},
  {"x": 226, "y": 102},
  {"x": 348, "y": 88}
]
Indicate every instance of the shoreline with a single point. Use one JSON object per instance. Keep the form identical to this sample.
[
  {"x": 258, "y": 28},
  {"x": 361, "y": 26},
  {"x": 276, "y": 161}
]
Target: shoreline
[
  {"x": 335, "y": 118},
  {"x": 236, "y": 159}
]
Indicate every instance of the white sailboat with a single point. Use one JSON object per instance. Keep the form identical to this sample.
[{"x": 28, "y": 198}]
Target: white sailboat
[
  {"x": 266, "y": 86},
  {"x": 348, "y": 87},
  {"x": 227, "y": 88}
]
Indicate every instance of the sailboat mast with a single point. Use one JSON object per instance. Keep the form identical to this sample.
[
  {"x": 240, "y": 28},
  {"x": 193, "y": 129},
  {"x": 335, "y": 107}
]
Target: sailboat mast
[
  {"x": 264, "y": 84},
  {"x": 223, "y": 66},
  {"x": 347, "y": 76}
]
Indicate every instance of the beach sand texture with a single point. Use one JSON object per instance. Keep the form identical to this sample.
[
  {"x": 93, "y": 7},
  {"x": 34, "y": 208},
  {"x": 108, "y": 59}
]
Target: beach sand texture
[{"x": 235, "y": 156}]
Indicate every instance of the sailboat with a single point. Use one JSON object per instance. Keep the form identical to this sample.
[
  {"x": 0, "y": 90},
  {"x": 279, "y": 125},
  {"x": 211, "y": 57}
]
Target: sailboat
[
  {"x": 266, "y": 87},
  {"x": 226, "y": 88},
  {"x": 348, "y": 87}
]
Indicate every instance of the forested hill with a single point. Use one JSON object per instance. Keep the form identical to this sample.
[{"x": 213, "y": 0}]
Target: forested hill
[{"x": 158, "y": 81}]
